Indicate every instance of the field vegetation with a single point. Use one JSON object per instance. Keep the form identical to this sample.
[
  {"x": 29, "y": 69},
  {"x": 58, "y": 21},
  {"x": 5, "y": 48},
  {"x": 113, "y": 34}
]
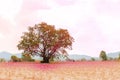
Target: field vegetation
[{"x": 82, "y": 70}]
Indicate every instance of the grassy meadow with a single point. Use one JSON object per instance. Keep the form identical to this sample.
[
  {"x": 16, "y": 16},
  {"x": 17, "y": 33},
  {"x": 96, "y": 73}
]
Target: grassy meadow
[{"x": 82, "y": 70}]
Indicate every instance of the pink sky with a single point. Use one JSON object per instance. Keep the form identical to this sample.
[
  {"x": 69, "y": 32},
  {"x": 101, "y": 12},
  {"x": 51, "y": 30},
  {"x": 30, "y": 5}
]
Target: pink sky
[{"x": 94, "y": 24}]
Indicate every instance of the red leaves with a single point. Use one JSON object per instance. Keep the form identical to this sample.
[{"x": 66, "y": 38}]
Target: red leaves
[{"x": 44, "y": 36}]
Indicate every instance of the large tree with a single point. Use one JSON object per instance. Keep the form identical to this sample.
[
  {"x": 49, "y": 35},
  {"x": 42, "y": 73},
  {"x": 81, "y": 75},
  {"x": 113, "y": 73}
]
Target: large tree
[{"x": 45, "y": 41}]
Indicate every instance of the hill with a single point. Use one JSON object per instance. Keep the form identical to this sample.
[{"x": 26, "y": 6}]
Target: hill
[
  {"x": 79, "y": 57},
  {"x": 5, "y": 55},
  {"x": 113, "y": 54}
]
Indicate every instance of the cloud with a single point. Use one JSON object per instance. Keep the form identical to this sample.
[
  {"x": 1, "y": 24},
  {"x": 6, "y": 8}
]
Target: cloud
[
  {"x": 94, "y": 24},
  {"x": 91, "y": 23},
  {"x": 65, "y": 2},
  {"x": 105, "y": 7},
  {"x": 1, "y": 36},
  {"x": 27, "y": 14},
  {"x": 5, "y": 26},
  {"x": 8, "y": 35},
  {"x": 9, "y": 8},
  {"x": 31, "y": 6}
]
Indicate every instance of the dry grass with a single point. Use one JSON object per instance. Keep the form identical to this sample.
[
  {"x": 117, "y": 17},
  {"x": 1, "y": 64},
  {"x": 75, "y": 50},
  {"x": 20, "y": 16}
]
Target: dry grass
[{"x": 61, "y": 71}]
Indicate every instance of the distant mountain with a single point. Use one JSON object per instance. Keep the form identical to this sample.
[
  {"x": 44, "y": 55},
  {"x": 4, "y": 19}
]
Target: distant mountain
[
  {"x": 113, "y": 54},
  {"x": 37, "y": 58},
  {"x": 79, "y": 57},
  {"x": 18, "y": 55},
  {"x": 5, "y": 55},
  {"x": 8, "y": 55}
]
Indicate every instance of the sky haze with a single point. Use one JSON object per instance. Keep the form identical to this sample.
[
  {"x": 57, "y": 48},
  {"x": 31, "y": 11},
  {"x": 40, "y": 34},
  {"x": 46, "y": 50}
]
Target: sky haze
[{"x": 94, "y": 24}]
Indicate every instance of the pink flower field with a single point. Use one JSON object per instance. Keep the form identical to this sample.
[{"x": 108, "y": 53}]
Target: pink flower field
[{"x": 98, "y": 70}]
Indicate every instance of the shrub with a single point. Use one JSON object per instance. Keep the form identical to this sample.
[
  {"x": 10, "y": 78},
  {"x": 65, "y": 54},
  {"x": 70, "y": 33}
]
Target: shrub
[
  {"x": 27, "y": 57},
  {"x": 83, "y": 59},
  {"x": 92, "y": 59},
  {"x": 2, "y": 60},
  {"x": 15, "y": 58}
]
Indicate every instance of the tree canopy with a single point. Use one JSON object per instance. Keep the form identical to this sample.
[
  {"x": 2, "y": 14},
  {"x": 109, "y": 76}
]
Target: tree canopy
[
  {"x": 15, "y": 58},
  {"x": 27, "y": 57},
  {"x": 45, "y": 41},
  {"x": 103, "y": 55}
]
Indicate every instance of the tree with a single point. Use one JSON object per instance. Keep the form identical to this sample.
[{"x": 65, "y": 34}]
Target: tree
[
  {"x": 45, "y": 41},
  {"x": 110, "y": 58},
  {"x": 27, "y": 57},
  {"x": 15, "y": 58},
  {"x": 119, "y": 57},
  {"x": 103, "y": 55},
  {"x": 92, "y": 59},
  {"x": 83, "y": 59},
  {"x": 2, "y": 60},
  {"x": 58, "y": 57}
]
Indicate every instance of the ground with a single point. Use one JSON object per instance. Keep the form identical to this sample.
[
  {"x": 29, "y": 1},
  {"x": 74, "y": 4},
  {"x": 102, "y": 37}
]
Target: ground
[{"x": 86, "y": 70}]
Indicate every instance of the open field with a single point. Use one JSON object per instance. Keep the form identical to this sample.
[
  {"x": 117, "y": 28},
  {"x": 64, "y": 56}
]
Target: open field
[{"x": 108, "y": 70}]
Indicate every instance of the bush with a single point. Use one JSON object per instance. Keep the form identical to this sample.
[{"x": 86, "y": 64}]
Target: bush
[
  {"x": 110, "y": 58},
  {"x": 92, "y": 59},
  {"x": 15, "y": 58},
  {"x": 2, "y": 60},
  {"x": 32, "y": 60},
  {"x": 83, "y": 59},
  {"x": 27, "y": 57}
]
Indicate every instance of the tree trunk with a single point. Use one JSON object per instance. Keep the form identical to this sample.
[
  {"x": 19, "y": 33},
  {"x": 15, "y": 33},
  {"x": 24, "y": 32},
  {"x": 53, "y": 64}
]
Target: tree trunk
[{"x": 45, "y": 60}]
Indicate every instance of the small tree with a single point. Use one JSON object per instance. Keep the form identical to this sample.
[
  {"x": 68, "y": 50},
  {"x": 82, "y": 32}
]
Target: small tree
[
  {"x": 110, "y": 58},
  {"x": 14, "y": 58},
  {"x": 103, "y": 55},
  {"x": 45, "y": 41},
  {"x": 27, "y": 57},
  {"x": 60, "y": 57},
  {"x": 2, "y": 60},
  {"x": 92, "y": 59},
  {"x": 119, "y": 57},
  {"x": 83, "y": 59}
]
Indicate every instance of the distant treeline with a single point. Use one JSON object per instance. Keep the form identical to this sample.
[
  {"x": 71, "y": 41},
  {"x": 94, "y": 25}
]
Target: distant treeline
[{"x": 27, "y": 58}]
